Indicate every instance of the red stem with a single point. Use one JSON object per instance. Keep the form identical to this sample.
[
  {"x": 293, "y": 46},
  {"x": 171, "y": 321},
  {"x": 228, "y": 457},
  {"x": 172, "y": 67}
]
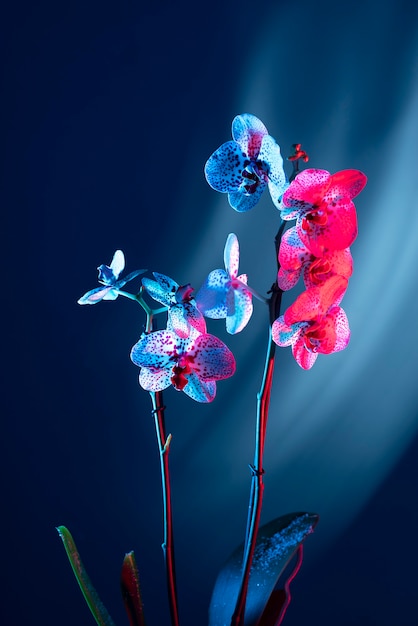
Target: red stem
[
  {"x": 257, "y": 483},
  {"x": 168, "y": 543}
]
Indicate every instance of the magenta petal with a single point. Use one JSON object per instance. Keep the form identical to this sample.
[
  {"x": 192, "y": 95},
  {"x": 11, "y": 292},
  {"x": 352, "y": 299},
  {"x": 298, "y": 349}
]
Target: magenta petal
[
  {"x": 303, "y": 357},
  {"x": 349, "y": 182},
  {"x": 307, "y": 189},
  {"x": 292, "y": 252},
  {"x": 316, "y": 301},
  {"x": 287, "y": 279},
  {"x": 342, "y": 328},
  {"x": 284, "y": 335}
]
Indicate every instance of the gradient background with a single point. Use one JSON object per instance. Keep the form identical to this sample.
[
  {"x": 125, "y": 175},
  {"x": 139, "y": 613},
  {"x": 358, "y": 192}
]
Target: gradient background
[{"x": 109, "y": 112}]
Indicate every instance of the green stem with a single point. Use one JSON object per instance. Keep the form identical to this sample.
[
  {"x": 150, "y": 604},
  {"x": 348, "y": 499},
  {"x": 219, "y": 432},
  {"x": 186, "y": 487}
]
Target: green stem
[{"x": 90, "y": 594}]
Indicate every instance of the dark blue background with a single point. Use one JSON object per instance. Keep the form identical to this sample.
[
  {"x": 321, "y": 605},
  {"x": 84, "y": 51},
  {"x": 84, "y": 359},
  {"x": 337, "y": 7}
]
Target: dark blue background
[{"x": 109, "y": 112}]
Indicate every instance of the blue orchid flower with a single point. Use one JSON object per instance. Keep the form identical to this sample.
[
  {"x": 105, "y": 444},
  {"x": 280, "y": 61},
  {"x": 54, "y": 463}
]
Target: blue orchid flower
[
  {"x": 183, "y": 315},
  {"x": 224, "y": 294},
  {"x": 244, "y": 167},
  {"x": 109, "y": 277}
]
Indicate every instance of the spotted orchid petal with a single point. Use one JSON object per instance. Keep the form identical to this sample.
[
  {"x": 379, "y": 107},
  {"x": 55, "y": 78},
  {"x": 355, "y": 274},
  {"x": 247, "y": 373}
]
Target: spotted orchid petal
[
  {"x": 156, "y": 349},
  {"x": 182, "y": 311},
  {"x": 243, "y": 202},
  {"x": 316, "y": 301},
  {"x": 162, "y": 289},
  {"x": 154, "y": 380},
  {"x": 248, "y": 131},
  {"x": 283, "y": 334},
  {"x": 272, "y": 163},
  {"x": 303, "y": 357},
  {"x": 223, "y": 169}
]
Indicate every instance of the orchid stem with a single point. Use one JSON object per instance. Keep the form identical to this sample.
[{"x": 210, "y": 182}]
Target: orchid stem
[
  {"x": 168, "y": 542},
  {"x": 257, "y": 482}
]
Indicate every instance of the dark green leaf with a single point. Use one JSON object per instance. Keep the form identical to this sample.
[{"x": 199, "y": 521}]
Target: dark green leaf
[
  {"x": 131, "y": 593},
  {"x": 91, "y": 596},
  {"x": 278, "y": 541}
]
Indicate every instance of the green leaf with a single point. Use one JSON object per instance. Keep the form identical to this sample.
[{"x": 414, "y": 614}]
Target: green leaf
[
  {"x": 277, "y": 543},
  {"x": 131, "y": 592},
  {"x": 91, "y": 596}
]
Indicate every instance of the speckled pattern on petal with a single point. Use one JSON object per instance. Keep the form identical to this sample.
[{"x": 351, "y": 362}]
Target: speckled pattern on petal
[{"x": 223, "y": 169}]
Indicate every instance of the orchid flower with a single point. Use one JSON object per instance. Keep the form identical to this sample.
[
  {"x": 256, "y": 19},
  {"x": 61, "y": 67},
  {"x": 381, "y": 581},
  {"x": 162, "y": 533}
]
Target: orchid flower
[
  {"x": 182, "y": 311},
  {"x": 109, "y": 277},
  {"x": 191, "y": 364},
  {"x": 315, "y": 323},
  {"x": 224, "y": 294},
  {"x": 244, "y": 167},
  {"x": 296, "y": 259},
  {"x": 322, "y": 205}
]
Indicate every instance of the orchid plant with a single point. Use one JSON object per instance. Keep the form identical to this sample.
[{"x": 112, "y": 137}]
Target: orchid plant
[{"x": 253, "y": 586}]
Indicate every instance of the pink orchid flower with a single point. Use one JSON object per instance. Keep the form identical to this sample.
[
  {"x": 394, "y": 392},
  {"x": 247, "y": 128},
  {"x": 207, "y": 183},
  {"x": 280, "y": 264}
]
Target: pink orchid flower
[
  {"x": 224, "y": 294},
  {"x": 315, "y": 323},
  {"x": 191, "y": 364},
  {"x": 296, "y": 259},
  {"x": 322, "y": 205}
]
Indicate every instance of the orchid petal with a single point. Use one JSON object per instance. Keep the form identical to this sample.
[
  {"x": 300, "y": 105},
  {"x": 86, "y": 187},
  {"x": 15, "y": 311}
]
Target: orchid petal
[
  {"x": 342, "y": 328},
  {"x": 303, "y": 357},
  {"x": 243, "y": 309},
  {"x": 307, "y": 189},
  {"x": 223, "y": 169},
  {"x": 212, "y": 360},
  {"x": 248, "y": 131},
  {"x": 200, "y": 390},
  {"x": 210, "y": 298},
  {"x": 154, "y": 380},
  {"x": 316, "y": 301},
  {"x": 118, "y": 263},
  {"x": 350, "y": 182},
  {"x": 156, "y": 349},
  {"x": 272, "y": 163},
  {"x": 157, "y": 291},
  {"x": 94, "y": 295},
  {"x": 284, "y": 335},
  {"x": 231, "y": 255},
  {"x": 242, "y": 202}
]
